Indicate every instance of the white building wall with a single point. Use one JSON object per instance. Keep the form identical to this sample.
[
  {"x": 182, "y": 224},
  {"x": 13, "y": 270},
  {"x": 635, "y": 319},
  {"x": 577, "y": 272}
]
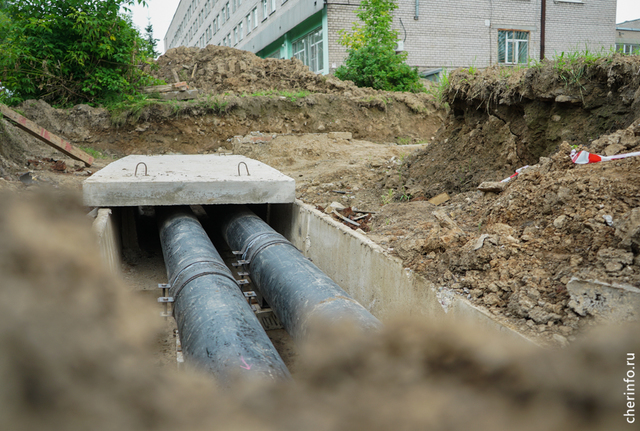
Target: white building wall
[
  {"x": 188, "y": 29},
  {"x": 459, "y": 33},
  {"x": 453, "y": 33},
  {"x": 574, "y": 26}
]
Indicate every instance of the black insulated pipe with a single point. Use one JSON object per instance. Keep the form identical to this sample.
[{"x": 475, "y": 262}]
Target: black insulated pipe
[
  {"x": 218, "y": 329},
  {"x": 299, "y": 293}
]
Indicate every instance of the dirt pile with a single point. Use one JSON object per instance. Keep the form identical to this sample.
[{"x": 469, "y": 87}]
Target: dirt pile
[
  {"x": 219, "y": 69},
  {"x": 515, "y": 252},
  {"x": 505, "y": 118},
  {"x": 73, "y": 343},
  {"x": 203, "y": 126},
  {"x": 240, "y": 93},
  {"x": 328, "y": 167},
  {"x": 74, "y": 355},
  {"x": 21, "y": 153}
]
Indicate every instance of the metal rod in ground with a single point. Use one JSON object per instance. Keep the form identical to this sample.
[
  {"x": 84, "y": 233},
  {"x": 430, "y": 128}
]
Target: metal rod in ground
[
  {"x": 299, "y": 293},
  {"x": 218, "y": 329}
]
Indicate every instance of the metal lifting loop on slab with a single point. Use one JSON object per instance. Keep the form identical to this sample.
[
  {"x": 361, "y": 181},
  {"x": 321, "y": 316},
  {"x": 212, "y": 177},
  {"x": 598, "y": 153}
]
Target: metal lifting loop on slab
[
  {"x": 135, "y": 174},
  {"x": 218, "y": 329},
  {"x": 246, "y": 167}
]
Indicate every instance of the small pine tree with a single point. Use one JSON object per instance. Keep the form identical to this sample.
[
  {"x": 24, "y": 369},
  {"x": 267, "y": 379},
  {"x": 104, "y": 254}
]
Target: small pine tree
[
  {"x": 371, "y": 58},
  {"x": 151, "y": 42}
]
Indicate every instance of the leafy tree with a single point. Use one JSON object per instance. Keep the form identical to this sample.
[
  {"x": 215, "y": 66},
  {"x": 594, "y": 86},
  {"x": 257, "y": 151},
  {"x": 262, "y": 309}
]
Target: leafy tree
[
  {"x": 69, "y": 51},
  {"x": 371, "y": 58},
  {"x": 151, "y": 42}
]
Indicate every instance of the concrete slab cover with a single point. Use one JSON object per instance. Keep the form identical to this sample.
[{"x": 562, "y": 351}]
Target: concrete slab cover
[{"x": 187, "y": 180}]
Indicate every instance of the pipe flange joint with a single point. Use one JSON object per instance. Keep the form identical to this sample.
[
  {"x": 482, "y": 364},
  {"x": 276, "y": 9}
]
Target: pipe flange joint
[
  {"x": 196, "y": 270},
  {"x": 260, "y": 241}
]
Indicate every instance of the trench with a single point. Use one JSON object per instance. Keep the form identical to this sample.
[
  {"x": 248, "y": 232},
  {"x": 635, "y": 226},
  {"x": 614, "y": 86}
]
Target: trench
[
  {"x": 366, "y": 272},
  {"x": 144, "y": 268}
]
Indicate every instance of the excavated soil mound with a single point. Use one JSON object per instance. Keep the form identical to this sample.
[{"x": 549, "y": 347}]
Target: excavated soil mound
[
  {"x": 502, "y": 119},
  {"x": 74, "y": 355},
  {"x": 515, "y": 252},
  {"x": 220, "y": 69}
]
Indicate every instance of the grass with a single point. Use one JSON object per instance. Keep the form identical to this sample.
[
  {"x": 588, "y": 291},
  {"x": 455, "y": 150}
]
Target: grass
[
  {"x": 130, "y": 106},
  {"x": 94, "y": 153},
  {"x": 291, "y": 95},
  {"x": 387, "y": 198},
  {"x": 218, "y": 106},
  {"x": 391, "y": 194},
  {"x": 438, "y": 90},
  {"x": 571, "y": 66}
]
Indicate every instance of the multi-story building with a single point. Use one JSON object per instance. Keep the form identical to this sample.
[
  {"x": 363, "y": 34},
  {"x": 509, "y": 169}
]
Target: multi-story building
[
  {"x": 628, "y": 37},
  {"x": 453, "y": 33}
]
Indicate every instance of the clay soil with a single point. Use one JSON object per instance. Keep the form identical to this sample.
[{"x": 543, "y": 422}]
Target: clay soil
[
  {"x": 77, "y": 353},
  {"x": 511, "y": 253},
  {"x": 76, "y": 346}
]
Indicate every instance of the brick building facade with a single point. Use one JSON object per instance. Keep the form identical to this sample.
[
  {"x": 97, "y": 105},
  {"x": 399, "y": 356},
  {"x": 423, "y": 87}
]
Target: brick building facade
[
  {"x": 628, "y": 37},
  {"x": 449, "y": 34}
]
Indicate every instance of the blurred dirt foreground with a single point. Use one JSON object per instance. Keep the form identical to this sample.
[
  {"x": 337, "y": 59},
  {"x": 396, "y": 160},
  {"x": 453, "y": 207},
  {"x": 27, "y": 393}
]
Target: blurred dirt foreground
[{"x": 76, "y": 355}]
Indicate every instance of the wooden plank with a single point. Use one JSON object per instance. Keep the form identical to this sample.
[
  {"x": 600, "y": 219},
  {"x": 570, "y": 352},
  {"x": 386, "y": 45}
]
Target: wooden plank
[
  {"x": 45, "y": 136},
  {"x": 181, "y": 86},
  {"x": 175, "y": 75},
  {"x": 180, "y": 95}
]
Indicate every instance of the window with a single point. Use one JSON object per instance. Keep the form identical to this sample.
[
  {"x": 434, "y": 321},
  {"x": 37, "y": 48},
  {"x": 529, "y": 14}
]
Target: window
[
  {"x": 628, "y": 48},
  {"x": 234, "y": 6},
  {"x": 309, "y": 49},
  {"x": 229, "y": 39},
  {"x": 273, "y": 6},
  {"x": 254, "y": 12},
  {"x": 217, "y": 22},
  {"x": 240, "y": 31},
  {"x": 513, "y": 46},
  {"x": 249, "y": 23},
  {"x": 227, "y": 11},
  {"x": 235, "y": 35},
  {"x": 265, "y": 12}
]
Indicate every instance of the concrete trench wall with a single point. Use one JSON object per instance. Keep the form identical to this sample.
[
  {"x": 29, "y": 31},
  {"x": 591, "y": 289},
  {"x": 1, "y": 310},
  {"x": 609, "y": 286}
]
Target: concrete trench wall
[
  {"x": 109, "y": 243},
  {"x": 361, "y": 267},
  {"x": 371, "y": 276}
]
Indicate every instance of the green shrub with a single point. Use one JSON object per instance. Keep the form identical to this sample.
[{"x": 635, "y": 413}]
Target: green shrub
[
  {"x": 70, "y": 51},
  {"x": 371, "y": 58}
]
